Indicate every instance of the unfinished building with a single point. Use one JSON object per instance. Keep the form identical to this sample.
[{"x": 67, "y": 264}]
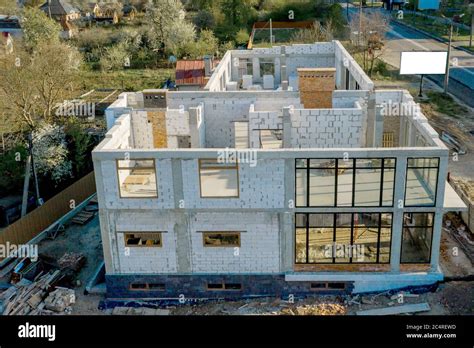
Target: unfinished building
[{"x": 288, "y": 174}]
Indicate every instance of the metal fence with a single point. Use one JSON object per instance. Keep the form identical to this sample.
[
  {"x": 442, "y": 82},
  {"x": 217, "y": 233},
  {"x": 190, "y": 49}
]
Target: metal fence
[{"x": 32, "y": 224}]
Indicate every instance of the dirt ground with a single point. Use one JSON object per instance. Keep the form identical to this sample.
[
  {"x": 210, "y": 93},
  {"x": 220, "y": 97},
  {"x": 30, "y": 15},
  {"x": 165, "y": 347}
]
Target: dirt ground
[{"x": 87, "y": 241}]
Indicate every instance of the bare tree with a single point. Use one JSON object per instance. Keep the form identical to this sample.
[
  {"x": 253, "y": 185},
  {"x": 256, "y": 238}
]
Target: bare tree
[
  {"x": 316, "y": 33},
  {"x": 368, "y": 32}
]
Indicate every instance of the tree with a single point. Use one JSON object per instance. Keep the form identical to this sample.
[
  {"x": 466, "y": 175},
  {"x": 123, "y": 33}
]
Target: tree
[
  {"x": 34, "y": 83},
  {"x": 206, "y": 45},
  {"x": 242, "y": 37},
  {"x": 317, "y": 33},
  {"x": 237, "y": 11},
  {"x": 38, "y": 28},
  {"x": 368, "y": 33},
  {"x": 50, "y": 152},
  {"x": 163, "y": 15},
  {"x": 180, "y": 38},
  {"x": 204, "y": 20},
  {"x": 114, "y": 58}
]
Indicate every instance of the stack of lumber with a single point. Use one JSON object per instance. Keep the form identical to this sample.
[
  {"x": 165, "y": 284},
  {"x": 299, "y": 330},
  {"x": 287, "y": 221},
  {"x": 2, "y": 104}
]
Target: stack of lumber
[
  {"x": 26, "y": 297},
  {"x": 71, "y": 260},
  {"x": 60, "y": 300}
]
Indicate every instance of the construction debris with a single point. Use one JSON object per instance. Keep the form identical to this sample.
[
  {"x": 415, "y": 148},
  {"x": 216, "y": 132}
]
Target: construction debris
[
  {"x": 60, "y": 300},
  {"x": 139, "y": 311},
  {"x": 408, "y": 308},
  {"x": 24, "y": 298},
  {"x": 73, "y": 261},
  {"x": 317, "y": 309}
]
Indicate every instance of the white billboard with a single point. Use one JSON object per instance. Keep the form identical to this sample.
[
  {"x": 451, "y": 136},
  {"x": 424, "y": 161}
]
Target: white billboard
[{"x": 423, "y": 63}]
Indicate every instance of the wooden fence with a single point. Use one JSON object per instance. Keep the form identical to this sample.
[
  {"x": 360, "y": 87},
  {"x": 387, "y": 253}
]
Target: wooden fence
[{"x": 27, "y": 228}]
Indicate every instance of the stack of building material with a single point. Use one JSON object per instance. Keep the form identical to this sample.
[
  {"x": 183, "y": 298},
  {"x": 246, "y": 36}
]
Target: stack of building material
[
  {"x": 465, "y": 189},
  {"x": 82, "y": 217},
  {"x": 60, "y": 300},
  {"x": 73, "y": 261},
  {"x": 26, "y": 297}
]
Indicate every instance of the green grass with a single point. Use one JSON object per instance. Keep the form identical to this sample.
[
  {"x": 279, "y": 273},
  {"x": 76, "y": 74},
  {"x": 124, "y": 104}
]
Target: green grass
[
  {"x": 129, "y": 80},
  {"x": 446, "y": 104},
  {"x": 438, "y": 29}
]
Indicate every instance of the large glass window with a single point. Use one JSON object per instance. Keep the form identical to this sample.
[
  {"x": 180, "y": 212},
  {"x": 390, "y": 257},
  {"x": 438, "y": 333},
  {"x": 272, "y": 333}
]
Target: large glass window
[
  {"x": 421, "y": 183},
  {"x": 417, "y": 237},
  {"x": 343, "y": 238},
  {"x": 345, "y": 182},
  {"x": 218, "y": 180},
  {"x": 322, "y": 182},
  {"x": 137, "y": 178}
]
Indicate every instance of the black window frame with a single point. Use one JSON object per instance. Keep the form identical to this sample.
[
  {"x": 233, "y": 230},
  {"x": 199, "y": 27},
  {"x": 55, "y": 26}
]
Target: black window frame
[
  {"x": 417, "y": 226},
  {"x": 354, "y": 168},
  {"x": 415, "y": 167},
  {"x": 334, "y": 227}
]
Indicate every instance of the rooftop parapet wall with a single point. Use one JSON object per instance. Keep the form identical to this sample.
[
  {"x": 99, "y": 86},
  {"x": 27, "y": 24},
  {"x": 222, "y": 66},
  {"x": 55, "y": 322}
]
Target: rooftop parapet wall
[
  {"x": 119, "y": 136},
  {"x": 345, "y": 60},
  {"x": 400, "y": 103}
]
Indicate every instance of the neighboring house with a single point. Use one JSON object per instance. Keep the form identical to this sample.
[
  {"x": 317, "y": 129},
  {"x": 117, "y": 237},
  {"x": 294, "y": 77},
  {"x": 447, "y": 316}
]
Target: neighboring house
[
  {"x": 129, "y": 12},
  {"x": 289, "y": 173},
  {"x": 393, "y": 5},
  {"x": 194, "y": 74},
  {"x": 61, "y": 10},
  {"x": 107, "y": 15},
  {"x": 91, "y": 10}
]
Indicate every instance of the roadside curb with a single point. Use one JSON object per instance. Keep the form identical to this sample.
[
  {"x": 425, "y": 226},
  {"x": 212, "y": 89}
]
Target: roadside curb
[{"x": 437, "y": 38}]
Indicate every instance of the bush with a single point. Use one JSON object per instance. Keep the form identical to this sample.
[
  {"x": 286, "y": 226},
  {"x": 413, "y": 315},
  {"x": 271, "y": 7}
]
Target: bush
[{"x": 12, "y": 169}]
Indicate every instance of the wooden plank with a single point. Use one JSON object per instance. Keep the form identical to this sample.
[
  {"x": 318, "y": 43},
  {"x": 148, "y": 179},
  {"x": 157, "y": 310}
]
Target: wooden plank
[{"x": 408, "y": 308}]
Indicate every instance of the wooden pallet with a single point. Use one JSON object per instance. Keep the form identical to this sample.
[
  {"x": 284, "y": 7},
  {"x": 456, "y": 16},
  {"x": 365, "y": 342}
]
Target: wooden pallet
[{"x": 82, "y": 217}]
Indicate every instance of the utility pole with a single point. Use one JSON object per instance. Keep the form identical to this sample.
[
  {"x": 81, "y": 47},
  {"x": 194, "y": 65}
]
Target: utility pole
[
  {"x": 271, "y": 33},
  {"x": 347, "y": 10},
  {"x": 471, "y": 7},
  {"x": 360, "y": 23},
  {"x": 446, "y": 76}
]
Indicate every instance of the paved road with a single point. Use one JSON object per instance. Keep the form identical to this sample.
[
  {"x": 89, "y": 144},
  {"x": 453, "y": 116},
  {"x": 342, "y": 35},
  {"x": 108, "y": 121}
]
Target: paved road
[{"x": 401, "y": 38}]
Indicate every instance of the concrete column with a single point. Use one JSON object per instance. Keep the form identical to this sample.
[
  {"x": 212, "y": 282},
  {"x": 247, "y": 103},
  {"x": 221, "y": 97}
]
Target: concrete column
[
  {"x": 105, "y": 228},
  {"x": 438, "y": 220},
  {"x": 183, "y": 242},
  {"x": 398, "y": 202},
  {"x": 378, "y": 131},
  {"x": 256, "y": 70},
  {"x": 287, "y": 233},
  {"x": 287, "y": 240},
  {"x": 194, "y": 115},
  {"x": 283, "y": 68},
  {"x": 286, "y": 127},
  {"x": 371, "y": 120},
  {"x": 176, "y": 169},
  {"x": 277, "y": 71}
]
